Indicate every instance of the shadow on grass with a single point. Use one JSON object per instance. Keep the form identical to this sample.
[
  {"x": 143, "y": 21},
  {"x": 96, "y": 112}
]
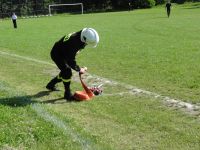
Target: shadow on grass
[{"x": 24, "y": 100}]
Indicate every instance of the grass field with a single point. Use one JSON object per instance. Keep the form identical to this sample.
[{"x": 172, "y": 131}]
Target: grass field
[{"x": 138, "y": 50}]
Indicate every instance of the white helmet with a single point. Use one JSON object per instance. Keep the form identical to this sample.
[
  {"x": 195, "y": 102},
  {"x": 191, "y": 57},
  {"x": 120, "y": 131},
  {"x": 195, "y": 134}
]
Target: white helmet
[{"x": 90, "y": 37}]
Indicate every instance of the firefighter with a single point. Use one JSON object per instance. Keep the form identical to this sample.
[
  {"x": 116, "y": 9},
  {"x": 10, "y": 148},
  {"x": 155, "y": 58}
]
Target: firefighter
[{"x": 63, "y": 54}]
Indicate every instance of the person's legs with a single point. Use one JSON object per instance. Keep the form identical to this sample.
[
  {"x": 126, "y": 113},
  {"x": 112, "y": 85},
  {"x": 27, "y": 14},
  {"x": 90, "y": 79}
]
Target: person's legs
[
  {"x": 66, "y": 75},
  {"x": 168, "y": 12},
  {"x": 51, "y": 85},
  {"x": 15, "y": 23},
  {"x": 60, "y": 64}
]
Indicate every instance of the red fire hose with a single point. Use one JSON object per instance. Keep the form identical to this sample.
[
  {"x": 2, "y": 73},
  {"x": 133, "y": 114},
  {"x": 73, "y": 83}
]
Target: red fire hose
[{"x": 88, "y": 93}]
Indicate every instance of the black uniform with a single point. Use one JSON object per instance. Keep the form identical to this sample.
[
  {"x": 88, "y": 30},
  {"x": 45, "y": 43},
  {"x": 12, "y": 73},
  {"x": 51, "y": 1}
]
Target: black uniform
[
  {"x": 63, "y": 54},
  {"x": 168, "y": 6}
]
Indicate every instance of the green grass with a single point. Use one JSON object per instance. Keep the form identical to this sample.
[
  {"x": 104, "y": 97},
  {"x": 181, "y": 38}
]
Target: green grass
[
  {"x": 22, "y": 128},
  {"x": 142, "y": 48}
]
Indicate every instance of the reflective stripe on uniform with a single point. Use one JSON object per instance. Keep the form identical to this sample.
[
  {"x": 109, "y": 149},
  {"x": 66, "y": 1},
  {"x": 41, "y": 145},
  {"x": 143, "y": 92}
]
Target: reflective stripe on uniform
[
  {"x": 67, "y": 37},
  {"x": 66, "y": 80},
  {"x": 58, "y": 77}
]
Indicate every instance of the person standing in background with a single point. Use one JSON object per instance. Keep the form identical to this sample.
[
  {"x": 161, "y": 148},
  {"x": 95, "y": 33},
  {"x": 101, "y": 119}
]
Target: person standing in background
[
  {"x": 130, "y": 6},
  {"x": 14, "y": 20},
  {"x": 168, "y": 7}
]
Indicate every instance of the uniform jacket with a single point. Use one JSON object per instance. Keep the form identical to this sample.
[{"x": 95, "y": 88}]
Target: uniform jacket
[{"x": 66, "y": 49}]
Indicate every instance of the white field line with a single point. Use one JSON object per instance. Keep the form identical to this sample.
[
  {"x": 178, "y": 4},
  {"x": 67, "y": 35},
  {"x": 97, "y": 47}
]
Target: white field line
[
  {"x": 7, "y": 147},
  {"x": 131, "y": 89},
  {"x": 41, "y": 112},
  {"x": 116, "y": 94},
  {"x": 61, "y": 125},
  {"x": 26, "y": 58}
]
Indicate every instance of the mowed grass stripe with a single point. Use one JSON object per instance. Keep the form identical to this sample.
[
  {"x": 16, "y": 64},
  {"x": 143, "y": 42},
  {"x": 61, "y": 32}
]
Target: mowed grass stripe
[
  {"x": 117, "y": 122},
  {"x": 139, "y": 48},
  {"x": 150, "y": 51},
  {"x": 21, "y": 128},
  {"x": 85, "y": 144},
  {"x": 189, "y": 107},
  {"x": 17, "y": 98}
]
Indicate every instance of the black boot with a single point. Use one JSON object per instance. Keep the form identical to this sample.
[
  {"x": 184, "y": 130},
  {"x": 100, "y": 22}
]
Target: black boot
[
  {"x": 51, "y": 85},
  {"x": 68, "y": 95}
]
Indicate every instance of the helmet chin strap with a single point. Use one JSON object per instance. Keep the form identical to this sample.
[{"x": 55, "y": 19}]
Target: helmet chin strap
[{"x": 84, "y": 38}]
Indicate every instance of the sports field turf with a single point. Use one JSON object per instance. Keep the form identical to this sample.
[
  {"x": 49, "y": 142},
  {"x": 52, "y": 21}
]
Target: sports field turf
[{"x": 143, "y": 59}]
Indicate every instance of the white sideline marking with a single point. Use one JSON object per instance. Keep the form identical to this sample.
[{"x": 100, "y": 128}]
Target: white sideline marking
[
  {"x": 7, "y": 147},
  {"x": 117, "y": 94},
  {"x": 41, "y": 112},
  {"x": 60, "y": 124},
  {"x": 131, "y": 89},
  {"x": 27, "y": 58}
]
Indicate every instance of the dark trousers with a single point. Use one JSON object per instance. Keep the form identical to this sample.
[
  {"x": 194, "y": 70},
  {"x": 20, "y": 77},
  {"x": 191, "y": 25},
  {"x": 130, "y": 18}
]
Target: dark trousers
[
  {"x": 168, "y": 12},
  {"x": 14, "y": 23},
  {"x": 65, "y": 71}
]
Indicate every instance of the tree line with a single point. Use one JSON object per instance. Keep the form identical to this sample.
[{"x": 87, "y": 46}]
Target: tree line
[{"x": 36, "y": 7}]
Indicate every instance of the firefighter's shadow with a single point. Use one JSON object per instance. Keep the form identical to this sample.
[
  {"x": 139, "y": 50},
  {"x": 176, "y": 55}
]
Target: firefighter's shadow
[{"x": 24, "y": 100}]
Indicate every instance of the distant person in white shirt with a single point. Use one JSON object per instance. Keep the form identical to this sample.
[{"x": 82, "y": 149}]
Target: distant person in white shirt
[{"x": 14, "y": 20}]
